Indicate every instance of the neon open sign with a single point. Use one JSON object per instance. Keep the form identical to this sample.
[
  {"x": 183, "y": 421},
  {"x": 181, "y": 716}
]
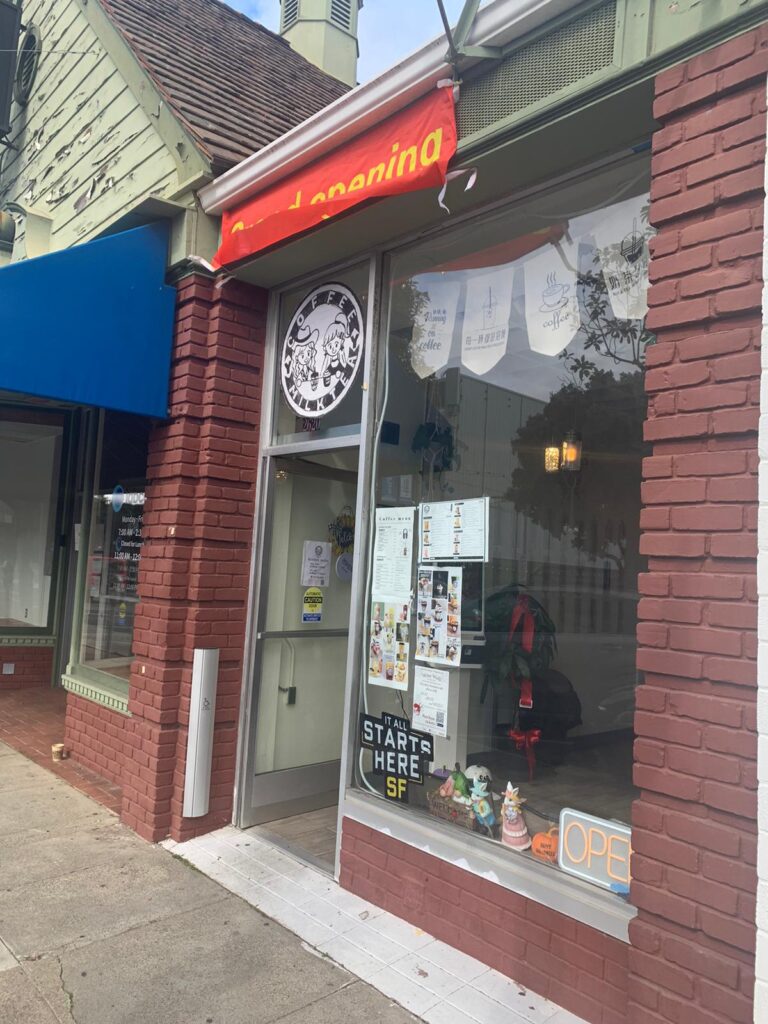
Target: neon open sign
[{"x": 596, "y": 850}]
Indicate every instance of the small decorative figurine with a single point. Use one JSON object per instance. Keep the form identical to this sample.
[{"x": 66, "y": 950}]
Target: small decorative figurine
[
  {"x": 545, "y": 845},
  {"x": 514, "y": 831},
  {"x": 457, "y": 787},
  {"x": 482, "y": 799}
]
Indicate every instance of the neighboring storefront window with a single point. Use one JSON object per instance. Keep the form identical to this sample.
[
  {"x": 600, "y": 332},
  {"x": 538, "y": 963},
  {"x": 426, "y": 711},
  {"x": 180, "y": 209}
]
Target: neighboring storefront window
[
  {"x": 500, "y": 675},
  {"x": 30, "y": 459},
  {"x": 114, "y": 548}
]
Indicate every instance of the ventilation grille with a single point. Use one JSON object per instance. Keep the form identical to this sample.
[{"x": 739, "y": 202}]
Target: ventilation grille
[
  {"x": 27, "y": 65},
  {"x": 290, "y": 13},
  {"x": 341, "y": 13},
  {"x": 540, "y": 69}
]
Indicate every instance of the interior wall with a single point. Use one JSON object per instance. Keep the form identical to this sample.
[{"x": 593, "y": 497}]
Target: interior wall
[{"x": 29, "y": 475}]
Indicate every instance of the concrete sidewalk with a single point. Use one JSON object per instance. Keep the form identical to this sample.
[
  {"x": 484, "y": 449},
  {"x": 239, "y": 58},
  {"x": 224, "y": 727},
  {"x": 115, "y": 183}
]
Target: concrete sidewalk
[{"x": 98, "y": 927}]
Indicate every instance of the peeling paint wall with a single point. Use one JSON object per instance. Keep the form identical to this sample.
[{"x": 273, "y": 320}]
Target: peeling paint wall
[{"x": 86, "y": 151}]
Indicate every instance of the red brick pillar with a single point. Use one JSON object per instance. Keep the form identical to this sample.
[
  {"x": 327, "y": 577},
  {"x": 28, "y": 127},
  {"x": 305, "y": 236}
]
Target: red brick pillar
[
  {"x": 694, "y": 826},
  {"x": 198, "y": 522}
]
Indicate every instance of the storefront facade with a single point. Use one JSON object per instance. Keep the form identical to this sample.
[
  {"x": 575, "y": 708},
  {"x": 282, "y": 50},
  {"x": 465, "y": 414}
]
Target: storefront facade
[{"x": 503, "y": 604}]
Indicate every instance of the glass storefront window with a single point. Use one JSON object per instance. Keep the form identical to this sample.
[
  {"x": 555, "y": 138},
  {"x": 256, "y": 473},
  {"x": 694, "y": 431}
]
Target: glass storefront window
[
  {"x": 503, "y": 589},
  {"x": 114, "y": 547},
  {"x": 30, "y": 457}
]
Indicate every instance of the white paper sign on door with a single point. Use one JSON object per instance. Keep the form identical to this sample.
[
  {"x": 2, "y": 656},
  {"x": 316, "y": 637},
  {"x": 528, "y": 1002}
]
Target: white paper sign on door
[
  {"x": 434, "y": 324},
  {"x": 316, "y": 564},
  {"x": 621, "y": 237},
  {"x": 430, "y": 700},
  {"x": 551, "y": 301},
  {"x": 486, "y": 319}
]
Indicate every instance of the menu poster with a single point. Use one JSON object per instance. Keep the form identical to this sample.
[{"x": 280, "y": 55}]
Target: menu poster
[
  {"x": 438, "y": 615},
  {"x": 393, "y": 551},
  {"x": 390, "y": 642},
  {"x": 454, "y": 530},
  {"x": 430, "y": 700}
]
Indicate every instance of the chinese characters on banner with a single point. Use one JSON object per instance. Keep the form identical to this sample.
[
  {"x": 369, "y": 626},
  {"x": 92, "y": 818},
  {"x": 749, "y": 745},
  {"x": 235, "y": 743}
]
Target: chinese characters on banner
[
  {"x": 438, "y": 615},
  {"x": 434, "y": 324},
  {"x": 622, "y": 238},
  {"x": 486, "y": 319},
  {"x": 391, "y": 598}
]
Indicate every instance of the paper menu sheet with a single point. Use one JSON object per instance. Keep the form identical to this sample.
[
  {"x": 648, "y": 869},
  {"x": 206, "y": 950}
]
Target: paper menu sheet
[
  {"x": 454, "y": 530},
  {"x": 430, "y": 700},
  {"x": 438, "y": 615},
  {"x": 389, "y": 643},
  {"x": 393, "y": 552}
]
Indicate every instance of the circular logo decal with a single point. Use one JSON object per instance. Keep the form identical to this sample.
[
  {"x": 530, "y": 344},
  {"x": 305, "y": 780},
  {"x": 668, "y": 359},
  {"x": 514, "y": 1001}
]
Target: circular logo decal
[
  {"x": 322, "y": 350},
  {"x": 118, "y": 498}
]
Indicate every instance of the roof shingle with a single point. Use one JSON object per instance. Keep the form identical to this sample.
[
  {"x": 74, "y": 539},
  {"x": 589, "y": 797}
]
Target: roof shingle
[{"x": 235, "y": 85}]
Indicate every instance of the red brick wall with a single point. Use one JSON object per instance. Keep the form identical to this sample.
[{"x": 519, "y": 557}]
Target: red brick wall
[
  {"x": 194, "y": 574},
  {"x": 694, "y": 825},
  {"x": 571, "y": 964},
  {"x": 98, "y": 737},
  {"x": 33, "y": 667}
]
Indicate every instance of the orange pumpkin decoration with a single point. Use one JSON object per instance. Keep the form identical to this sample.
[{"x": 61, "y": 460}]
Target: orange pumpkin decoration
[{"x": 544, "y": 845}]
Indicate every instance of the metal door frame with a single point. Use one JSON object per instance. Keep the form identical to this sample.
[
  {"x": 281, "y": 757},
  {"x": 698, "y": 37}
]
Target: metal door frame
[{"x": 287, "y": 781}]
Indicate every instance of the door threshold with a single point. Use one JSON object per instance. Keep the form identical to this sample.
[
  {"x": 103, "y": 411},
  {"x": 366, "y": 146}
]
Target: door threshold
[{"x": 291, "y": 846}]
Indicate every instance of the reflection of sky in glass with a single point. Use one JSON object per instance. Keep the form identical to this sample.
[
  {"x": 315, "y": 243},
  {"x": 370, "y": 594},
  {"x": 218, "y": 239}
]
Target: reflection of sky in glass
[{"x": 520, "y": 369}]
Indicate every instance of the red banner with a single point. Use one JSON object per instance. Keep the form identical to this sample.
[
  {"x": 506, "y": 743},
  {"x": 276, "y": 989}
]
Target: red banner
[{"x": 408, "y": 151}]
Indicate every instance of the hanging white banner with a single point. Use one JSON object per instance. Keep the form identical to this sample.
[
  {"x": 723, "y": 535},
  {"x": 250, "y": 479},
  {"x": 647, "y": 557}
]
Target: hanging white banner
[
  {"x": 621, "y": 238},
  {"x": 430, "y": 347},
  {"x": 486, "y": 319},
  {"x": 551, "y": 300}
]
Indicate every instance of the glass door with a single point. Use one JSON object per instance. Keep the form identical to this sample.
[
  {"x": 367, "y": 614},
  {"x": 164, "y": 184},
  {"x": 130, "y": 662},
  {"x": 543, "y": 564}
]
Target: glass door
[{"x": 301, "y": 643}]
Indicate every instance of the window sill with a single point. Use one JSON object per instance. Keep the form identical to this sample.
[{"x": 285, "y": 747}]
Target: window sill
[
  {"x": 111, "y": 693},
  {"x": 558, "y": 891},
  {"x": 26, "y": 640}
]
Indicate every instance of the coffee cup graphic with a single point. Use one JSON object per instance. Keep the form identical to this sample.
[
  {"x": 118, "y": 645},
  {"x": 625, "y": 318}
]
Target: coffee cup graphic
[{"x": 554, "y": 295}]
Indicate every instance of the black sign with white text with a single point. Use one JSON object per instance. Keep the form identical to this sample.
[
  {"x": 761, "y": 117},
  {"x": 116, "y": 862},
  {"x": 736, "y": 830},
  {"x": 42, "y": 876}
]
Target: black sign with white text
[{"x": 400, "y": 753}]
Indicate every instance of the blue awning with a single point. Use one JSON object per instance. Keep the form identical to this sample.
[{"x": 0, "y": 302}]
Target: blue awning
[{"x": 92, "y": 324}]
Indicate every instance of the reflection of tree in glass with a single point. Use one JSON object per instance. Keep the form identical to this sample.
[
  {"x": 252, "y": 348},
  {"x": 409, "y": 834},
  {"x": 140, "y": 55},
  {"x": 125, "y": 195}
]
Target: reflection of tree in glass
[
  {"x": 598, "y": 506},
  {"x": 602, "y": 334}
]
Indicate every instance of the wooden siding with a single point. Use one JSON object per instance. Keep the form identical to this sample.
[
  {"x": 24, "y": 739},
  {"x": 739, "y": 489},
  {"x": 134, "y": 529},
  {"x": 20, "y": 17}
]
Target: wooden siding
[{"x": 87, "y": 151}]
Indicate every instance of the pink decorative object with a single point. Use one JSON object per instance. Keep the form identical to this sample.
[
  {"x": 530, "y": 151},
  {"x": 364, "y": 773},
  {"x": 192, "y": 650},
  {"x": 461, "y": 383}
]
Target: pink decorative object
[{"x": 514, "y": 831}]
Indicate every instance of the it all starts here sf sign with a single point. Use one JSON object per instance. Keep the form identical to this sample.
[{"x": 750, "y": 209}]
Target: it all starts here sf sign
[{"x": 400, "y": 753}]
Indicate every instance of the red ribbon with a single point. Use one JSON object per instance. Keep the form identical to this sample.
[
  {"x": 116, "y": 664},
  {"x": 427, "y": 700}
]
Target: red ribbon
[
  {"x": 526, "y": 739},
  {"x": 522, "y": 616}
]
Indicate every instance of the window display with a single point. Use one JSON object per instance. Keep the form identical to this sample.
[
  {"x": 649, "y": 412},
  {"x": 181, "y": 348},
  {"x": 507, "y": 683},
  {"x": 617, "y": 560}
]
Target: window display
[
  {"x": 114, "y": 551},
  {"x": 30, "y": 458},
  {"x": 515, "y": 402}
]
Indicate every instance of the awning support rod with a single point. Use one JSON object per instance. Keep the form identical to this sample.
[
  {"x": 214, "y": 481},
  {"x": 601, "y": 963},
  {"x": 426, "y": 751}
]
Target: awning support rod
[{"x": 457, "y": 43}]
